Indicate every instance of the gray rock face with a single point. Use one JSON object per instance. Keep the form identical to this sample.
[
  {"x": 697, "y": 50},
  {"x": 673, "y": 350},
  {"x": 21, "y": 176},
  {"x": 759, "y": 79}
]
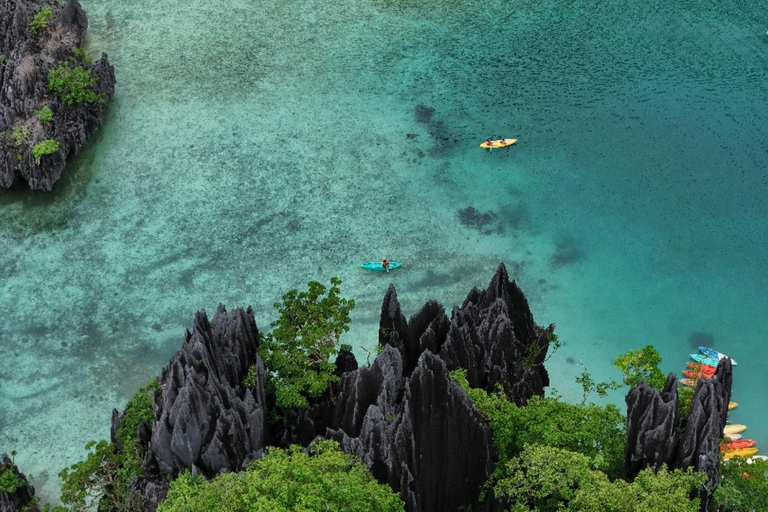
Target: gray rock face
[
  {"x": 653, "y": 429},
  {"x": 19, "y": 500},
  {"x": 27, "y": 60},
  {"x": 205, "y": 420}
]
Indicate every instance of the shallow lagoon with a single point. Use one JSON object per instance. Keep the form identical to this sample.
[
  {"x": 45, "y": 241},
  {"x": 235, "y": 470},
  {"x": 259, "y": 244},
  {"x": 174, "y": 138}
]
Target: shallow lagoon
[{"x": 256, "y": 146}]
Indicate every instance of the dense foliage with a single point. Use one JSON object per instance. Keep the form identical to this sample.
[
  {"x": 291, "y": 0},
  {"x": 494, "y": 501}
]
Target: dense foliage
[
  {"x": 107, "y": 473},
  {"x": 545, "y": 478},
  {"x": 74, "y": 85},
  {"x": 298, "y": 350},
  {"x": 287, "y": 480},
  {"x": 594, "y": 431},
  {"x": 9, "y": 480},
  {"x": 743, "y": 485},
  {"x": 47, "y": 147},
  {"x": 41, "y": 20}
]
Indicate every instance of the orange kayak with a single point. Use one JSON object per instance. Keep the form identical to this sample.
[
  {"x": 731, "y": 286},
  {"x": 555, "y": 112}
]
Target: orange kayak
[
  {"x": 738, "y": 445},
  {"x": 498, "y": 143},
  {"x": 732, "y": 405},
  {"x": 696, "y": 375}
]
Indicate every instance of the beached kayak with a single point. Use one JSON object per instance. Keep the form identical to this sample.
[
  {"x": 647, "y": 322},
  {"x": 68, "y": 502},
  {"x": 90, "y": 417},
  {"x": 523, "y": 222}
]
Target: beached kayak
[
  {"x": 751, "y": 460},
  {"x": 688, "y": 382},
  {"x": 738, "y": 445},
  {"x": 748, "y": 452},
  {"x": 705, "y": 360},
  {"x": 714, "y": 354},
  {"x": 499, "y": 143},
  {"x": 378, "y": 267},
  {"x": 733, "y": 437},
  {"x": 732, "y": 405},
  {"x": 734, "y": 429}
]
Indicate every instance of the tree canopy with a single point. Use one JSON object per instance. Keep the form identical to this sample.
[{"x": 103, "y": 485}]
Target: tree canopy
[{"x": 326, "y": 479}]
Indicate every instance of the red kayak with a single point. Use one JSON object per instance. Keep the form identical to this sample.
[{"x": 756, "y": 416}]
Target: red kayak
[
  {"x": 738, "y": 445},
  {"x": 708, "y": 371}
]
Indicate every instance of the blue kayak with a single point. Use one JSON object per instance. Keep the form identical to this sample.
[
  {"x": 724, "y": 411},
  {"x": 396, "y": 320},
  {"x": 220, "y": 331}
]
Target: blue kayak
[
  {"x": 705, "y": 360},
  {"x": 378, "y": 267},
  {"x": 714, "y": 354}
]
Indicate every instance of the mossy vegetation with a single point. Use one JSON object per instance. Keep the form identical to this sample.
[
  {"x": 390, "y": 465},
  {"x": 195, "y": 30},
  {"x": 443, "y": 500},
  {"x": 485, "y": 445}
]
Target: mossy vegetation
[
  {"x": 81, "y": 54},
  {"x": 41, "y": 20},
  {"x": 47, "y": 147},
  {"x": 286, "y": 480}
]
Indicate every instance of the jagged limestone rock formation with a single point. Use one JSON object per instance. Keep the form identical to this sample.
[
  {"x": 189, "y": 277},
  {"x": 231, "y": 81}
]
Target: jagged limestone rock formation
[
  {"x": 653, "y": 429},
  {"x": 26, "y": 60},
  {"x": 205, "y": 419},
  {"x": 493, "y": 336},
  {"x": 22, "y": 498}
]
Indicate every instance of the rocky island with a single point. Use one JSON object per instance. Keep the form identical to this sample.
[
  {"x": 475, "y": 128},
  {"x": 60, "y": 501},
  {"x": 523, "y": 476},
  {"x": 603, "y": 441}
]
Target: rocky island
[{"x": 52, "y": 95}]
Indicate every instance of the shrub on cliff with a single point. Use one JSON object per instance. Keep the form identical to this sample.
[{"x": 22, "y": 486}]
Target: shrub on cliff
[
  {"x": 106, "y": 474},
  {"x": 297, "y": 352},
  {"x": 285, "y": 480},
  {"x": 642, "y": 365},
  {"x": 74, "y": 85}
]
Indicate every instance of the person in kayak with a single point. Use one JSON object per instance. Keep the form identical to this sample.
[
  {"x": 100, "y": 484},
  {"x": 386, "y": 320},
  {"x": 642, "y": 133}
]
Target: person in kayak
[{"x": 385, "y": 264}]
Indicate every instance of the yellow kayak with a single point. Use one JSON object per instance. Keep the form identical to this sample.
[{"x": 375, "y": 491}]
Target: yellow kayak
[
  {"x": 746, "y": 452},
  {"x": 732, "y": 405},
  {"x": 499, "y": 143},
  {"x": 734, "y": 429}
]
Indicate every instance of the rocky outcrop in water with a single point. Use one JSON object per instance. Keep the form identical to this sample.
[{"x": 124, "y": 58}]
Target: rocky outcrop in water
[
  {"x": 26, "y": 60},
  {"x": 653, "y": 428},
  {"x": 22, "y": 498}
]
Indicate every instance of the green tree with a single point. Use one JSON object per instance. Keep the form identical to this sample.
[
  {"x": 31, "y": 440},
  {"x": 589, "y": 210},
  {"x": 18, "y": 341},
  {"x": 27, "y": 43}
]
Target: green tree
[
  {"x": 642, "y": 365},
  {"x": 288, "y": 480},
  {"x": 9, "y": 480},
  {"x": 41, "y": 20},
  {"x": 47, "y": 147},
  {"x": 74, "y": 85},
  {"x": 743, "y": 485},
  {"x": 297, "y": 352}
]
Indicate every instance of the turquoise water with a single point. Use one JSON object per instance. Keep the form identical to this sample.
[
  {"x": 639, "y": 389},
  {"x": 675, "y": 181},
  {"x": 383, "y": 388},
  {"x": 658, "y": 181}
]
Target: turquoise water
[{"x": 254, "y": 146}]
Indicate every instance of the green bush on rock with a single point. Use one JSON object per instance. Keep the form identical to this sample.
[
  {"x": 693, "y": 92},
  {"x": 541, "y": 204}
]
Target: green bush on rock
[
  {"x": 47, "y": 147},
  {"x": 297, "y": 352},
  {"x": 41, "y": 20},
  {"x": 743, "y": 486},
  {"x": 74, "y": 85},
  {"x": 288, "y": 480},
  {"x": 45, "y": 115}
]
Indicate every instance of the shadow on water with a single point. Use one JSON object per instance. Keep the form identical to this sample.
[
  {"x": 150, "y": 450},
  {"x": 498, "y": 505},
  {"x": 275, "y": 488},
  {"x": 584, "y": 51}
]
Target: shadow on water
[{"x": 27, "y": 212}]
